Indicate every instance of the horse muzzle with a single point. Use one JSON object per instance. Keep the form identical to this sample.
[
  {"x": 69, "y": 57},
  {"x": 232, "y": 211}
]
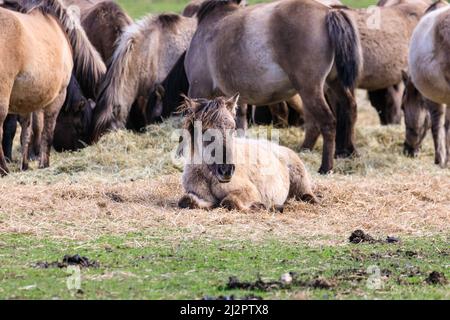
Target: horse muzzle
[{"x": 225, "y": 172}]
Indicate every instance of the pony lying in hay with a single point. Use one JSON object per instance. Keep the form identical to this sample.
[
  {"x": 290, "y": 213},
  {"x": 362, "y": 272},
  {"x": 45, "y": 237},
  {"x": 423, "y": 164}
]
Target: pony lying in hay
[
  {"x": 235, "y": 173},
  {"x": 249, "y": 50},
  {"x": 44, "y": 44}
]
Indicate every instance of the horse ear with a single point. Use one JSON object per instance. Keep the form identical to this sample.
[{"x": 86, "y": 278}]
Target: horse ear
[
  {"x": 160, "y": 91},
  {"x": 189, "y": 105},
  {"x": 232, "y": 103}
]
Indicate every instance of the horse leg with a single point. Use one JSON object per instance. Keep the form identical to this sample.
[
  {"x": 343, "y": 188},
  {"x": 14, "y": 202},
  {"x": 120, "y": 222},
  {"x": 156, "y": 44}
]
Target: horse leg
[
  {"x": 447, "y": 130},
  {"x": 192, "y": 201},
  {"x": 37, "y": 122},
  {"x": 9, "y": 132},
  {"x": 296, "y": 103},
  {"x": 316, "y": 107},
  {"x": 343, "y": 103},
  {"x": 300, "y": 183},
  {"x": 312, "y": 132},
  {"x": 3, "y": 113},
  {"x": 280, "y": 114},
  {"x": 438, "y": 129},
  {"x": 241, "y": 117},
  {"x": 387, "y": 103},
  {"x": 236, "y": 201},
  {"x": 25, "y": 123},
  {"x": 50, "y": 115}
]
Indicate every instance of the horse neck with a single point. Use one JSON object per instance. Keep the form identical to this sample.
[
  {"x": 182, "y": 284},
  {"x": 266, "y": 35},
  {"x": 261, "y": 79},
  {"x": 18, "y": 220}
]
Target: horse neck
[{"x": 89, "y": 67}]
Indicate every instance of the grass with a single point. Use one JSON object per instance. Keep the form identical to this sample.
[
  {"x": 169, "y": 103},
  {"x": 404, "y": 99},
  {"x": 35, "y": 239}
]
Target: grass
[
  {"x": 150, "y": 267},
  {"x": 115, "y": 202},
  {"x": 139, "y": 8}
]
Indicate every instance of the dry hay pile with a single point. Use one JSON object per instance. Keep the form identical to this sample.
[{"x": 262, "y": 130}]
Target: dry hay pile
[{"x": 129, "y": 183}]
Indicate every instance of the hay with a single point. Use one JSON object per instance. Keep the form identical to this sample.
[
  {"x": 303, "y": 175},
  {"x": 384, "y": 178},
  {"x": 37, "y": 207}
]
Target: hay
[{"x": 128, "y": 183}]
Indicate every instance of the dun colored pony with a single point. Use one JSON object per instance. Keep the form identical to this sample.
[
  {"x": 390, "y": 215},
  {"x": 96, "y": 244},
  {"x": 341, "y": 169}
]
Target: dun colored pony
[
  {"x": 385, "y": 33},
  {"x": 250, "y": 174},
  {"x": 420, "y": 115},
  {"x": 252, "y": 51},
  {"x": 39, "y": 49},
  {"x": 145, "y": 54},
  {"x": 429, "y": 69}
]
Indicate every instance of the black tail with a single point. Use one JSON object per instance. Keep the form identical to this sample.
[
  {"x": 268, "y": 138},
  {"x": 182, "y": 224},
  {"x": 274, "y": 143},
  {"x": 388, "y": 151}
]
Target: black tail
[{"x": 345, "y": 39}]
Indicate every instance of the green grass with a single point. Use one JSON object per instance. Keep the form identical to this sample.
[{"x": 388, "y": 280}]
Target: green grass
[
  {"x": 139, "y": 8},
  {"x": 140, "y": 267}
]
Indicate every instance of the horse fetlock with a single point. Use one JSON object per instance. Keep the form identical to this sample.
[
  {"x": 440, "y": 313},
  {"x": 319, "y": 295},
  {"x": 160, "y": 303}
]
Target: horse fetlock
[{"x": 188, "y": 202}]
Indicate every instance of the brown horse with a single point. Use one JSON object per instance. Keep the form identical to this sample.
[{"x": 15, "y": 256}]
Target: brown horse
[
  {"x": 145, "y": 54},
  {"x": 248, "y": 175},
  {"x": 39, "y": 47},
  {"x": 104, "y": 23},
  {"x": 249, "y": 50},
  {"x": 385, "y": 45}
]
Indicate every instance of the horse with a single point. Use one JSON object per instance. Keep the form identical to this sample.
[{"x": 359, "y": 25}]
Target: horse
[
  {"x": 40, "y": 46},
  {"x": 145, "y": 53},
  {"x": 385, "y": 50},
  {"x": 429, "y": 85},
  {"x": 420, "y": 115},
  {"x": 248, "y": 175},
  {"x": 104, "y": 23},
  {"x": 249, "y": 50}
]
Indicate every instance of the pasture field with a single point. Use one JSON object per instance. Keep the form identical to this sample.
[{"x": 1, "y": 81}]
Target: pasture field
[{"x": 116, "y": 204}]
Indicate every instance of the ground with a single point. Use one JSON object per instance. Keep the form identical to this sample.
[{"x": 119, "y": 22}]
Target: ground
[{"x": 115, "y": 203}]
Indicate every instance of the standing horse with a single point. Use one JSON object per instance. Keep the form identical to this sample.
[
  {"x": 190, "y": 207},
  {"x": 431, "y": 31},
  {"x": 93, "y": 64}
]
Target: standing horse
[
  {"x": 429, "y": 69},
  {"x": 39, "y": 48},
  {"x": 145, "y": 54},
  {"x": 250, "y": 50},
  {"x": 420, "y": 115},
  {"x": 248, "y": 175},
  {"x": 385, "y": 45}
]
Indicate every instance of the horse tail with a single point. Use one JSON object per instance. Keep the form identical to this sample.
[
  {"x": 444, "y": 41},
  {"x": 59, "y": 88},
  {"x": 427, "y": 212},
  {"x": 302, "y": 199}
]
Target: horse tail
[
  {"x": 344, "y": 37},
  {"x": 110, "y": 113},
  {"x": 89, "y": 67}
]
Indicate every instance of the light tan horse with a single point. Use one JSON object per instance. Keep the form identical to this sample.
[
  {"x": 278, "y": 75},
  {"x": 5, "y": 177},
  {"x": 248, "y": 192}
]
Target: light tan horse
[
  {"x": 39, "y": 49},
  {"x": 248, "y": 175},
  {"x": 268, "y": 53},
  {"x": 429, "y": 69},
  {"x": 145, "y": 54}
]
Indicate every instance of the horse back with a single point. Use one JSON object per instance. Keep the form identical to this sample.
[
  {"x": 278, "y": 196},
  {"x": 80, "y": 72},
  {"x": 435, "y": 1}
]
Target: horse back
[{"x": 38, "y": 55}]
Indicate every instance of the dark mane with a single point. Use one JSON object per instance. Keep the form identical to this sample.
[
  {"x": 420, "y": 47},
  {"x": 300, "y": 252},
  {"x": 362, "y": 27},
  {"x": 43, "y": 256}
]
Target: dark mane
[
  {"x": 210, "y": 5},
  {"x": 436, "y": 5},
  {"x": 168, "y": 20}
]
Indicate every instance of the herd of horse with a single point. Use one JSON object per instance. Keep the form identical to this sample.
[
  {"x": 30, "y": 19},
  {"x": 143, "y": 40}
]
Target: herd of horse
[{"x": 73, "y": 70}]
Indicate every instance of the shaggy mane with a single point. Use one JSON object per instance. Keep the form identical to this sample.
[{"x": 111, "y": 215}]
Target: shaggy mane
[
  {"x": 210, "y": 5},
  {"x": 206, "y": 111},
  {"x": 89, "y": 67}
]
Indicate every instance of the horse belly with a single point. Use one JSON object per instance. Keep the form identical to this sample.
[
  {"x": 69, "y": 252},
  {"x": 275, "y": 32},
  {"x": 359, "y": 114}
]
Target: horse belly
[
  {"x": 424, "y": 64},
  {"x": 250, "y": 68},
  {"x": 32, "y": 92}
]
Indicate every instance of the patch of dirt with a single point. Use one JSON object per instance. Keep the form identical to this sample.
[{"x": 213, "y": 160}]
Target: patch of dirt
[
  {"x": 261, "y": 285},
  {"x": 68, "y": 260},
  {"x": 436, "y": 277},
  {"x": 359, "y": 236}
]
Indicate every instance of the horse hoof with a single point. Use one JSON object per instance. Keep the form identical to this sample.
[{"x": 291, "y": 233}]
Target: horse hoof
[
  {"x": 229, "y": 205},
  {"x": 309, "y": 198},
  {"x": 257, "y": 207},
  {"x": 325, "y": 171},
  {"x": 187, "y": 203},
  {"x": 24, "y": 167}
]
